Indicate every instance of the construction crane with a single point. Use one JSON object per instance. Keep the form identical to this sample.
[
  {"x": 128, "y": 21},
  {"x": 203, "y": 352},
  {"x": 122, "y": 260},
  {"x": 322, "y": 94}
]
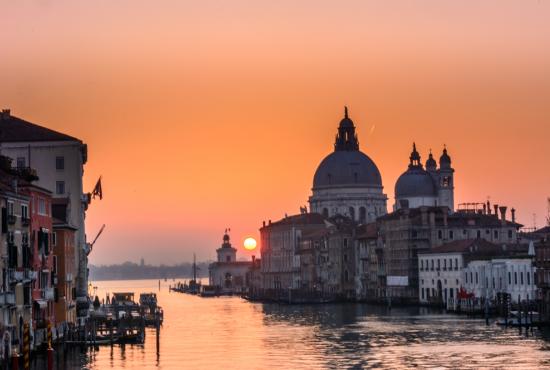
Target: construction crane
[{"x": 91, "y": 245}]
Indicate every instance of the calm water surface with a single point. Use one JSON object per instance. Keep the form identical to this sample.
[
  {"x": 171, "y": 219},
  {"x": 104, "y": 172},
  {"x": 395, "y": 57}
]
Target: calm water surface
[{"x": 230, "y": 333}]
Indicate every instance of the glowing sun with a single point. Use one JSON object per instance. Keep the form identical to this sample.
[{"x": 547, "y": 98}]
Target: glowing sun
[{"x": 250, "y": 244}]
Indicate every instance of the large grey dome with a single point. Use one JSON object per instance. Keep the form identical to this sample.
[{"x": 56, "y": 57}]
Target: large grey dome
[
  {"x": 342, "y": 168},
  {"x": 415, "y": 182}
]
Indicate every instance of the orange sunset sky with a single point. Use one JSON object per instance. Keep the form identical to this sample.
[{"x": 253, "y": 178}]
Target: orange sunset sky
[{"x": 202, "y": 115}]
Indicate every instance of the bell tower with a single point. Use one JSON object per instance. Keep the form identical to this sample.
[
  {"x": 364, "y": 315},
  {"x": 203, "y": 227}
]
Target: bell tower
[
  {"x": 226, "y": 253},
  {"x": 446, "y": 186}
]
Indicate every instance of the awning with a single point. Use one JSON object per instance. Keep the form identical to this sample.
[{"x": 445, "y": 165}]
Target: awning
[{"x": 41, "y": 303}]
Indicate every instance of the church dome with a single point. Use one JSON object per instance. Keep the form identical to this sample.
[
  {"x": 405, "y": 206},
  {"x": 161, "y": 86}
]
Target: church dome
[
  {"x": 342, "y": 168},
  {"x": 347, "y": 165},
  {"x": 415, "y": 182}
]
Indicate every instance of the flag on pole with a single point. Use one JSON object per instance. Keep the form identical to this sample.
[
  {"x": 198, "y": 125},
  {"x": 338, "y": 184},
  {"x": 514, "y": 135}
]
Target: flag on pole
[{"x": 97, "y": 190}]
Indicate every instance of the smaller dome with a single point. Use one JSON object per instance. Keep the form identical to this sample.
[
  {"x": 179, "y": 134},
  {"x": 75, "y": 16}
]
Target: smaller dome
[
  {"x": 431, "y": 164},
  {"x": 415, "y": 182},
  {"x": 445, "y": 159}
]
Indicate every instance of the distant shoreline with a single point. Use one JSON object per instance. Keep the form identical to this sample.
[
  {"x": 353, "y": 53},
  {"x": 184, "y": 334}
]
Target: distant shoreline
[{"x": 106, "y": 278}]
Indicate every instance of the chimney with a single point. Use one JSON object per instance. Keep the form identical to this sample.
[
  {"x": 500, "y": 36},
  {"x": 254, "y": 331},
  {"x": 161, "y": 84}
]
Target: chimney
[
  {"x": 263, "y": 223},
  {"x": 270, "y": 222},
  {"x": 503, "y": 213},
  {"x": 5, "y": 114},
  {"x": 496, "y": 209},
  {"x": 513, "y": 210},
  {"x": 484, "y": 208}
]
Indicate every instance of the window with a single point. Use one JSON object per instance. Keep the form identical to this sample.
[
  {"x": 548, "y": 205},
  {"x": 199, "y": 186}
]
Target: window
[
  {"x": 493, "y": 283},
  {"x": 60, "y": 187},
  {"x": 54, "y": 265},
  {"x": 59, "y": 163},
  {"x": 510, "y": 234},
  {"x": 451, "y": 234},
  {"x": 521, "y": 277},
  {"x": 456, "y": 263},
  {"x": 479, "y": 234},
  {"x": 54, "y": 239},
  {"x": 432, "y": 265},
  {"x": 495, "y": 234},
  {"x": 41, "y": 206},
  {"x": 450, "y": 263},
  {"x": 509, "y": 278},
  {"x": 10, "y": 208},
  {"x": 440, "y": 234},
  {"x": 345, "y": 242},
  {"x": 516, "y": 278},
  {"x": 438, "y": 265},
  {"x": 466, "y": 278},
  {"x": 421, "y": 265},
  {"x": 21, "y": 162},
  {"x": 528, "y": 278},
  {"x": 476, "y": 278},
  {"x": 24, "y": 211},
  {"x": 445, "y": 264},
  {"x": 422, "y": 293}
]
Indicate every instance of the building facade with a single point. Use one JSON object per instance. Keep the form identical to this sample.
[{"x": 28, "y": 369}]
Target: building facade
[
  {"x": 65, "y": 272},
  {"x": 59, "y": 161},
  {"x": 16, "y": 262},
  {"x": 228, "y": 275},
  {"x": 280, "y": 245},
  {"x": 42, "y": 258}
]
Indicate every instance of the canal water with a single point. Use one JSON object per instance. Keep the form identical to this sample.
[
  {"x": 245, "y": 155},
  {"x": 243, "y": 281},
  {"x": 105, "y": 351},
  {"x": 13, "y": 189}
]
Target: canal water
[{"x": 231, "y": 333}]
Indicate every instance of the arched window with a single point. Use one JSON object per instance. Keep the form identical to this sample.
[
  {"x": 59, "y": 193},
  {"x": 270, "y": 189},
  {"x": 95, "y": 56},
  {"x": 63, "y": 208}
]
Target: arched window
[
  {"x": 352, "y": 213},
  {"x": 362, "y": 215}
]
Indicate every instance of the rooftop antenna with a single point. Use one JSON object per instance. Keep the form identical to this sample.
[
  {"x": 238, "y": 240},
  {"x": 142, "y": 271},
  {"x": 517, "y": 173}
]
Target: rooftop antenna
[{"x": 534, "y": 221}]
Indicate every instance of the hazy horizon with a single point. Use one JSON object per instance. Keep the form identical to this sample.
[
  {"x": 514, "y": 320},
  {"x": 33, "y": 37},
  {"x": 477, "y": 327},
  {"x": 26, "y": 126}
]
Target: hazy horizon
[{"x": 207, "y": 115}]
